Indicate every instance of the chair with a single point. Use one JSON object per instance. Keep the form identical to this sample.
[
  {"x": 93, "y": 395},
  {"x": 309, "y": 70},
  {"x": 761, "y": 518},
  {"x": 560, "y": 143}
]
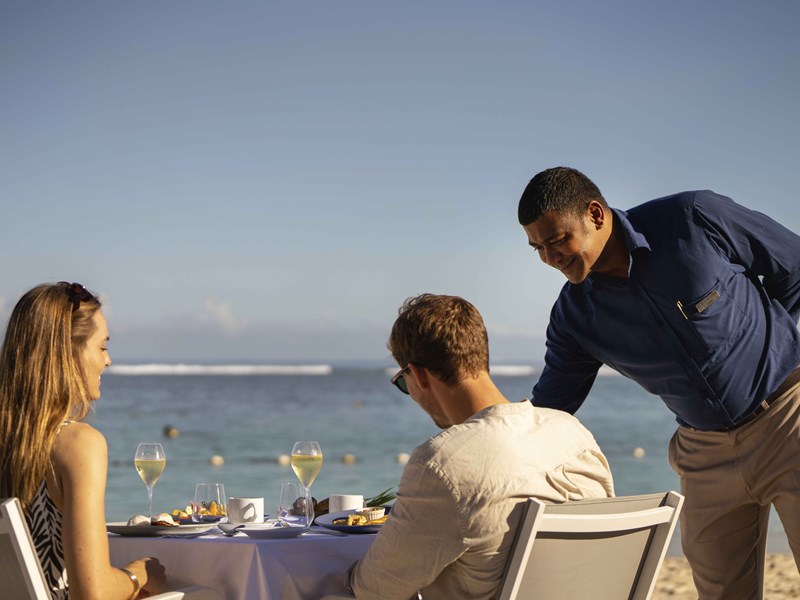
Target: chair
[
  {"x": 609, "y": 549},
  {"x": 21, "y": 576},
  {"x": 606, "y": 549}
]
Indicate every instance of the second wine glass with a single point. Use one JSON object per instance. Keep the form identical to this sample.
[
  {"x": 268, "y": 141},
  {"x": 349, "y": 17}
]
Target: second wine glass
[
  {"x": 150, "y": 461},
  {"x": 307, "y": 463}
]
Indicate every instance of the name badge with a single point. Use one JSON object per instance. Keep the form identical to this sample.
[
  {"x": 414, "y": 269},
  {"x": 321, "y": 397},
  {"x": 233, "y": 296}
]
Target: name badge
[{"x": 701, "y": 306}]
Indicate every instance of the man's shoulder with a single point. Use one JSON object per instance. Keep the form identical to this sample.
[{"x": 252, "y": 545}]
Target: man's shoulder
[
  {"x": 673, "y": 203},
  {"x": 501, "y": 425},
  {"x": 677, "y": 204},
  {"x": 480, "y": 426}
]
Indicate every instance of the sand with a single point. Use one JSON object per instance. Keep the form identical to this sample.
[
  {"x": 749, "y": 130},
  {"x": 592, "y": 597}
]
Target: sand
[{"x": 781, "y": 581}]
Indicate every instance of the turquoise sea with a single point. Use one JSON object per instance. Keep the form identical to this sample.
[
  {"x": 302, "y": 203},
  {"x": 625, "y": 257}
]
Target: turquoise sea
[{"x": 251, "y": 415}]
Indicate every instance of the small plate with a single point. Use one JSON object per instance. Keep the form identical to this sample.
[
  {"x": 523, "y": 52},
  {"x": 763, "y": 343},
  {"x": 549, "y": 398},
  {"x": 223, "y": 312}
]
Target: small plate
[
  {"x": 122, "y": 528},
  {"x": 271, "y": 530},
  {"x": 327, "y": 522}
]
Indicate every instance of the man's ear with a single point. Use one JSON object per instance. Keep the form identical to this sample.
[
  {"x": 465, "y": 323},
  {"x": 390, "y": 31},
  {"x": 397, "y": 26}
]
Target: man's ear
[
  {"x": 597, "y": 214},
  {"x": 421, "y": 375}
]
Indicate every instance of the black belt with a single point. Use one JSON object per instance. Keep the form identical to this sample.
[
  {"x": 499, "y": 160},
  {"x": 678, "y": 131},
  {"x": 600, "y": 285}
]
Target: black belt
[{"x": 792, "y": 380}]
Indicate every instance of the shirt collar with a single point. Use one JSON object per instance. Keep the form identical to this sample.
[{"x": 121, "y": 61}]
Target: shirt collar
[{"x": 634, "y": 240}]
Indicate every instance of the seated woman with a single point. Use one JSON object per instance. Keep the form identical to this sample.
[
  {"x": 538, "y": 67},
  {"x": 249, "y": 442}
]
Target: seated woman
[{"x": 51, "y": 362}]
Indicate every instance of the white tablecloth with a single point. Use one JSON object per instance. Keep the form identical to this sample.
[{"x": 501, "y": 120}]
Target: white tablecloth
[{"x": 303, "y": 568}]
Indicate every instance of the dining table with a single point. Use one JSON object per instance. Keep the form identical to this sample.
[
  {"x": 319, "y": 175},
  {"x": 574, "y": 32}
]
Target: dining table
[{"x": 243, "y": 568}]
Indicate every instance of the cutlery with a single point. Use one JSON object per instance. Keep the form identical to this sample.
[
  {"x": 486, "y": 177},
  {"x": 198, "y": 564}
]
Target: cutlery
[
  {"x": 326, "y": 531},
  {"x": 228, "y": 529}
]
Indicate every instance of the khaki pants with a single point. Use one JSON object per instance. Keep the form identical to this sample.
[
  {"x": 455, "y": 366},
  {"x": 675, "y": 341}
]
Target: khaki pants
[{"x": 730, "y": 479}]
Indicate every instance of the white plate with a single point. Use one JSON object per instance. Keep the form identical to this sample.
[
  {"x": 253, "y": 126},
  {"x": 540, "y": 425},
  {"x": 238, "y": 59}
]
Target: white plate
[
  {"x": 327, "y": 522},
  {"x": 272, "y": 531},
  {"x": 122, "y": 528}
]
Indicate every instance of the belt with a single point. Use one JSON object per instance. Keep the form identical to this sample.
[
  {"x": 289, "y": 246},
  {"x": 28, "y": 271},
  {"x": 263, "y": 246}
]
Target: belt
[{"x": 792, "y": 380}]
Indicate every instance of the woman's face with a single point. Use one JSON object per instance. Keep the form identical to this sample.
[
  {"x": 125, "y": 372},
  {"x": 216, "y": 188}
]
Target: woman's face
[{"x": 95, "y": 355}]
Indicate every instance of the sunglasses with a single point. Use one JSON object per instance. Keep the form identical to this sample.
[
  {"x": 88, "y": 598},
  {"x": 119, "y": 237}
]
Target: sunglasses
[
  {"x": 76, "y": 293},
  {"x": 399, "y": 380}
]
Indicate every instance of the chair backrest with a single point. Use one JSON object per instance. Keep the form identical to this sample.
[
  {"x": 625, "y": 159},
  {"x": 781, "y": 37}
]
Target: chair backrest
[
  {"x": 608, "y": 549},
  {"x": 21, "y": 574}
]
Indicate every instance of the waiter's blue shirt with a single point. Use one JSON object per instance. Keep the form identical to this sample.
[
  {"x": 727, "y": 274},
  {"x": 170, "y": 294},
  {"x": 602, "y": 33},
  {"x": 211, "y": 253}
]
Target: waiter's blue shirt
[{"x": 707, "y": 318}]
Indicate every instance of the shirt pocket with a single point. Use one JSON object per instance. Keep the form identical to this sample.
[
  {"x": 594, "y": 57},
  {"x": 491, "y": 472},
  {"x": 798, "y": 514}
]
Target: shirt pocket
[{"x": 713, "y": 321}]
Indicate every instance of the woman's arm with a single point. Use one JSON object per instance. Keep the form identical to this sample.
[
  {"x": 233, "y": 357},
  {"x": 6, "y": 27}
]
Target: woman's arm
[{"x": 80, "y": 458}]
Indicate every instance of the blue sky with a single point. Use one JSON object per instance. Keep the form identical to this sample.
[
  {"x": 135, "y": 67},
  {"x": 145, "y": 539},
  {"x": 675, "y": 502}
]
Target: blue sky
[{"x": 267, "y": 181}]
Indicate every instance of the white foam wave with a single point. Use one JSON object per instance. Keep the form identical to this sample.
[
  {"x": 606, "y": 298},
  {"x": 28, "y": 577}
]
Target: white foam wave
[
  {"x": 184, "y": 369},
  {"x": 513, "y": 370},
  {"x": 496, "y": 371}
]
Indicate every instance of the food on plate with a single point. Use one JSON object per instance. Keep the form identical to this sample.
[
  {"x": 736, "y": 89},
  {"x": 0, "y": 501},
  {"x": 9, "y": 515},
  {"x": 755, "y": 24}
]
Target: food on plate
[
  {"x": 182, "y": 514},
  {"x": 163, "y": 520},
  {"x": 373, "y": 513},
  {"x": 357, "y": 520},
  {"x": 321, "y": 507},
  {"x": 137, "y": 520},
  {"x": 385, "y": 497}
]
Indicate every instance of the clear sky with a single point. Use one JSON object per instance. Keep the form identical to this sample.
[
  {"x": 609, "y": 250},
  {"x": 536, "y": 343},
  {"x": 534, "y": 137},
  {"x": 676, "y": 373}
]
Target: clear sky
[{"x": 267, "y": 181}]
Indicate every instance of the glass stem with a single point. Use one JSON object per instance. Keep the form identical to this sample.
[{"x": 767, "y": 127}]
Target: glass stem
[
  {"x": 309, "y": 506},
  {"x": 150, "y": 503}
]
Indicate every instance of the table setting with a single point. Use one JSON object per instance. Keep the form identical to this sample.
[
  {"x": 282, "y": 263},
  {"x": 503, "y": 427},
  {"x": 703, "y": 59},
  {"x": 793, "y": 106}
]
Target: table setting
[{"x": 233, "y": 546}]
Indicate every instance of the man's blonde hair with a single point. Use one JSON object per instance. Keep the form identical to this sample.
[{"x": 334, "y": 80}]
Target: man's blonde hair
[{"x": 444, "y": 334}]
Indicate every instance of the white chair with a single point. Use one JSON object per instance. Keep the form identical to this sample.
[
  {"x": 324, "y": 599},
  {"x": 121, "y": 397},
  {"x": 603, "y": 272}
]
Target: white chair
[
  {"x": 606, "y": 549},
  {"x": 609, "y": 549},
  {"x": 21, "y": 576}
]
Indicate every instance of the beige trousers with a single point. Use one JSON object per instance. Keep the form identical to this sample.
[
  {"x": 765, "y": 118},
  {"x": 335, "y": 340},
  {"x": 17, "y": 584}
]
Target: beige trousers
[{"x": 730, "y": 479}]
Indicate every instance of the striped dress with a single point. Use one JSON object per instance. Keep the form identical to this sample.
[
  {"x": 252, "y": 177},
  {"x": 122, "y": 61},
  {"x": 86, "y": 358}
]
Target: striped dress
[{"x": 44, "y": 521}]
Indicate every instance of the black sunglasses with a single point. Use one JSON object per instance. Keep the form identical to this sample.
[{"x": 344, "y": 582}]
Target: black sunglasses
[
  {"x": 76, "y": 293},
  {"x": 399, "y": 380}
]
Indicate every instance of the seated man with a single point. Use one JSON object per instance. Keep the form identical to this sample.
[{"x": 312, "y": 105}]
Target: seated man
[{"x": 462, "y": 492}]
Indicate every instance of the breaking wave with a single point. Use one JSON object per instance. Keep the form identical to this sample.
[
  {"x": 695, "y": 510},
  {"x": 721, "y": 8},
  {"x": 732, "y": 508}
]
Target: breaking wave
[{"x": 184, "y": 369}]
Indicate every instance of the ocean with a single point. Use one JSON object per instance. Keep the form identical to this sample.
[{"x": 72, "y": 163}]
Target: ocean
[{"x": 250, "y": 415}]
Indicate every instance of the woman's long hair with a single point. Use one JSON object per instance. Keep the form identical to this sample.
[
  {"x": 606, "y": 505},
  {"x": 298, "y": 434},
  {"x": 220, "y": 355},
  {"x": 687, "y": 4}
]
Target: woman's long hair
[{"x": 42, "y": 381}]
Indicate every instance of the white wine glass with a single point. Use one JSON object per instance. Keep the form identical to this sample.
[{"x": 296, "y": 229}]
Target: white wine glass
[
  {"x": 307, "y": 463},
  {"x": 150, "y": 461}
]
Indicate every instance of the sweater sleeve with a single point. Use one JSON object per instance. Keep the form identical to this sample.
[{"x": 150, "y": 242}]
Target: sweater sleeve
[{"x": 419, "y": 539}]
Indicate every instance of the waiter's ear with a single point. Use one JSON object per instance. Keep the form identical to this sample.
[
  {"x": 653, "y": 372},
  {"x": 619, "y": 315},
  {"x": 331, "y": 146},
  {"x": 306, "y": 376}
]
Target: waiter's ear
[{"x": 596, "y": 214}]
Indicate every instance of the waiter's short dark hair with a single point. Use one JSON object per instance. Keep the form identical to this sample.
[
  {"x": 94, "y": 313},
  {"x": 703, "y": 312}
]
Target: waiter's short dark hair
[{"x": 560, "y": 189}]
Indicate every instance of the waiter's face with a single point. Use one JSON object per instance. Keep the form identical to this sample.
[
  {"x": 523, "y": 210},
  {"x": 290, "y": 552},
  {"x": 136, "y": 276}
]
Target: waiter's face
[{"x": 568, "y": 242}]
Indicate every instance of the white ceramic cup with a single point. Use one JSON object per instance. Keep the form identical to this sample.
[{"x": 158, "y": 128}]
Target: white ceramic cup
[
  {"x": 340, "y": 502},
  {"x": 245, "y": 510}
]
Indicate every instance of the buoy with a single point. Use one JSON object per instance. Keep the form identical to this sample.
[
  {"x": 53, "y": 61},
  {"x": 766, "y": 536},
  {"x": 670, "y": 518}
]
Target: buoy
[
  {"x": 217, "y": 460},
  {"x": 638, "y": 452},
  {"x": 349, "y": 459},
  {"x": 402, "y": 458},
  {"x": 284, "y": 459},
  {"x": 171, "y": 432}
]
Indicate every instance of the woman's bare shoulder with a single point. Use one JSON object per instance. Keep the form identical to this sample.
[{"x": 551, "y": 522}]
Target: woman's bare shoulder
[
  {"x": 78, "y": 439},
  {"x": 77, "y": 431}
]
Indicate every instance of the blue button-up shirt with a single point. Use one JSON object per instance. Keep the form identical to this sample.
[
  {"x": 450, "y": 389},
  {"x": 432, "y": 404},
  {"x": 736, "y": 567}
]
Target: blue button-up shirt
[{"x": 707, "y": 318}]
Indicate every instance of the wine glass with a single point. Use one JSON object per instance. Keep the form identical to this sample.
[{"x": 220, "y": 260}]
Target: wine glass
[
  {"x": 150, "y": 461},
  {"x": 307, "y": 462},
  {"x": 293, "y": 508},
  {"x": 210, "y": 505}
]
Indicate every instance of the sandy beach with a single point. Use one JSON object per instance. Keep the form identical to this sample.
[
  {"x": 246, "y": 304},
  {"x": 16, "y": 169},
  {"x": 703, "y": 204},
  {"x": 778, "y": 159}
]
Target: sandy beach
[{"x": 782, "y": 581}]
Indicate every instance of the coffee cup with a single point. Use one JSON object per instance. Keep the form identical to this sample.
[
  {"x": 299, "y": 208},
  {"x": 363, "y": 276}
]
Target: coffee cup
[
  {"x": 246, "y": 510},
  {"x": 340, "y": 502}
]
